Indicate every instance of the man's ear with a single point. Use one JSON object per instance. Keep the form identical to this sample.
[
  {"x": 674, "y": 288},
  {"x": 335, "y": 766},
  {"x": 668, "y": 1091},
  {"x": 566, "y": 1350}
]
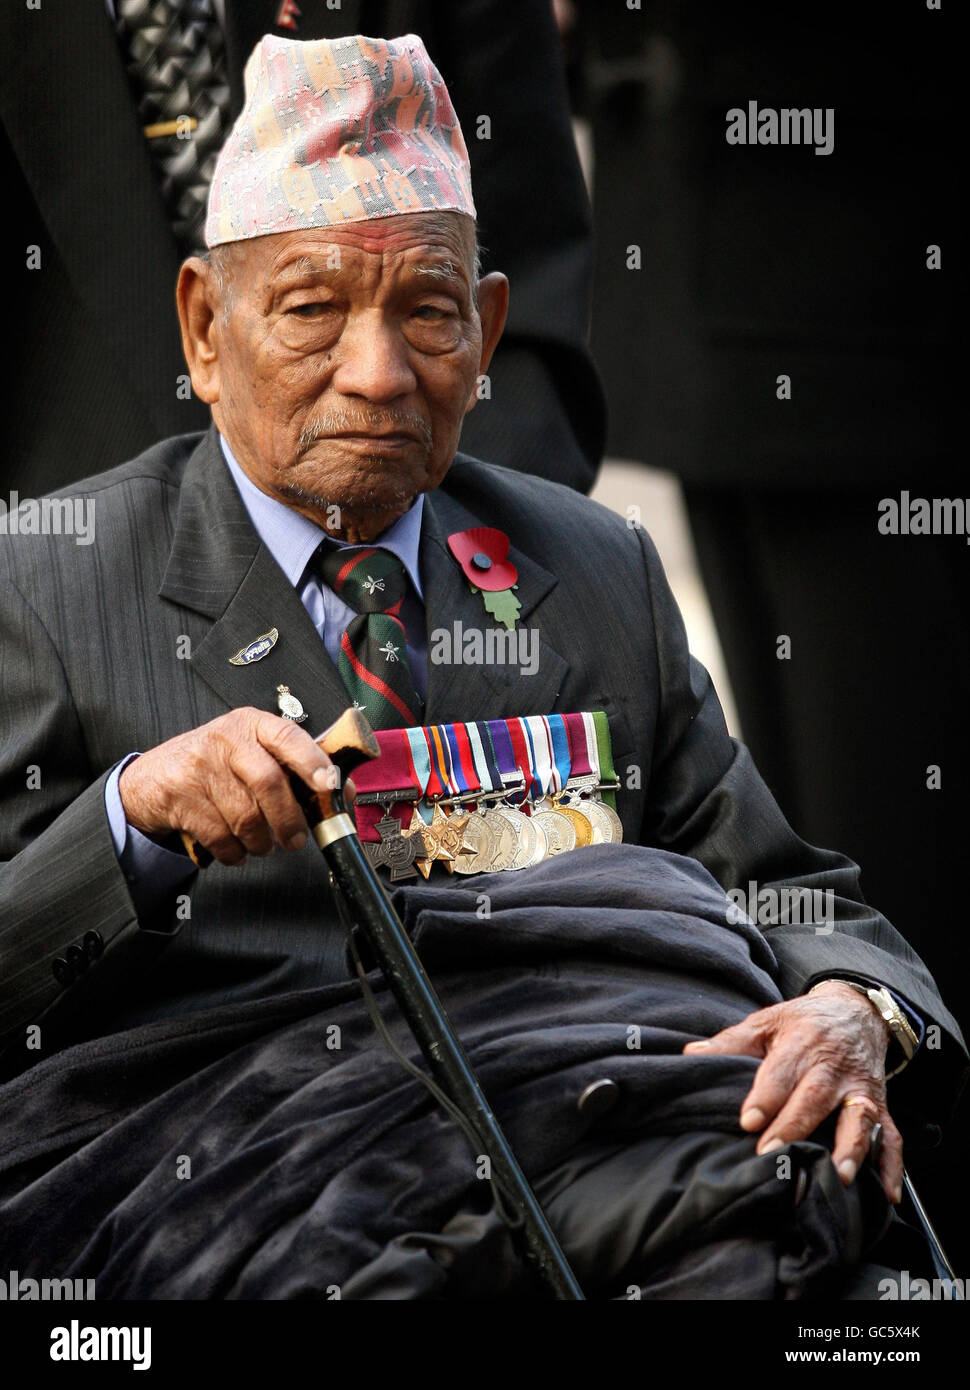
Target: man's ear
[
  {"x": 493, "y": 306},
  {"x": 196, "y": 296}
]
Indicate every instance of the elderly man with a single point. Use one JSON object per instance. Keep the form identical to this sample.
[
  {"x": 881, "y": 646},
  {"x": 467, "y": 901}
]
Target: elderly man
[{"x": 202, "y": 1110}]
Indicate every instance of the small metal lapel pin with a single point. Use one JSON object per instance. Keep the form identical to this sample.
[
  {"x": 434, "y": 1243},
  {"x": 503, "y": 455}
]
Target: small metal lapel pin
[
  {"x": 256, "y": 649},
  {"x": 289, "y": 705}
]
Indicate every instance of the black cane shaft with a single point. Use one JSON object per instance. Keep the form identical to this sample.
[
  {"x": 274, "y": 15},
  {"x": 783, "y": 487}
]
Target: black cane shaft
[
  {"x": 426, "y": 1017},
  {"x": 942, "y": 1265}
]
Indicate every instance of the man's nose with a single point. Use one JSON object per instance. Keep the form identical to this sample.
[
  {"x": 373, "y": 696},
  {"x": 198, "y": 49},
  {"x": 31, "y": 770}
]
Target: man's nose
[{"x": 373, "y": 360}]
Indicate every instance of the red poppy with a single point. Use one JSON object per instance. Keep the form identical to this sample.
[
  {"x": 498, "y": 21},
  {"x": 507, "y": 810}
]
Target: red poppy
[{"x": 482, "y": 553}]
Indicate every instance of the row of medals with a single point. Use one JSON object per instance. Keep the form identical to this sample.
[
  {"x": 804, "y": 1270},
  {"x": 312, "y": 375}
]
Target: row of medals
[{"x": 494, "y": 836}]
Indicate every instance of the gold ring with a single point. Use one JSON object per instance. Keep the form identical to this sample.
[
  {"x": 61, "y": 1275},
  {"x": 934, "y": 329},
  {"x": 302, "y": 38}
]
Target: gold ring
[{"x": 858, "y": 1100}]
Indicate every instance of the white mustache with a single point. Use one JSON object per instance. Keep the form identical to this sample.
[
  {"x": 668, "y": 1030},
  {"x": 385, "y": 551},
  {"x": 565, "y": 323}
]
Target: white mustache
[{"x": 351, "y": 422}]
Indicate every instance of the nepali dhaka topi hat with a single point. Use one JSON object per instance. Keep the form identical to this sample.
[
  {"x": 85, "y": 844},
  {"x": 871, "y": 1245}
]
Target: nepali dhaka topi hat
[{"x": 334, "y": 131}]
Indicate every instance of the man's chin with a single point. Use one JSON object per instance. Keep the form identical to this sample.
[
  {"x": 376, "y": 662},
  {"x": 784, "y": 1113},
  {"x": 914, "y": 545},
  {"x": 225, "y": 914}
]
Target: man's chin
[{"x": 367, "y": 480}]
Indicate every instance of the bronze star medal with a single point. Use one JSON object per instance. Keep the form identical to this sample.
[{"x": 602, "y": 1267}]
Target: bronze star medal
[
  {"x": 450, "y": 838},
  {"x": 424, "y": 844},
  {"x": 441, "y": 841}
]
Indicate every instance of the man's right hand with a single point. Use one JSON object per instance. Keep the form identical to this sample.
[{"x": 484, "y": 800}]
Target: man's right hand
[{"x": 227, "y": 784}]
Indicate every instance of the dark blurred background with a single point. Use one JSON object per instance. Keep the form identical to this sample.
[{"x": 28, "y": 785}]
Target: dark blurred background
[{"x": 759, "y": 261}]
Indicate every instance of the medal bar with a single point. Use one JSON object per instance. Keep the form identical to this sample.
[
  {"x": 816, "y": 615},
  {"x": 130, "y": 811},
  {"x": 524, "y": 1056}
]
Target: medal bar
[{"x": 489, "y": 796}]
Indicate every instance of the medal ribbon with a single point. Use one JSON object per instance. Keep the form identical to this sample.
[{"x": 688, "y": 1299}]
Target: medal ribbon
[
  {"x": 578, "y": 746},
  {"x": 421, "y": 762},
  {"x": 498, "y": 732},
  {"x": 464, "y": 775},
  {"x": 438, "y": 781},
  {"x": 562, "y": 763},
  {"x": 604, "y": 749},
  {"x": 392, "y": 771},
  {"x": 523, "y": 758},
  {"x": 540, "y": 745},
  {"x": 592, "y": 748},
  {"x": 442, "y": 745},
  {"x": 485, "y": 764}
]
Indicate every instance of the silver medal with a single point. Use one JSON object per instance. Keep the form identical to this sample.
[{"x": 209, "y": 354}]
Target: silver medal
[{"x": 559, "y": 830}]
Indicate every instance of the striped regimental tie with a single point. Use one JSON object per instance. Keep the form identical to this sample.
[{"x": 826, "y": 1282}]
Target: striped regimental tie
[{"x": 373, "y": 660}]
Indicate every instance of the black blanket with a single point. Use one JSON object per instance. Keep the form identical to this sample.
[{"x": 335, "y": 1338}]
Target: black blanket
[{"x": 277, "y": 1150}]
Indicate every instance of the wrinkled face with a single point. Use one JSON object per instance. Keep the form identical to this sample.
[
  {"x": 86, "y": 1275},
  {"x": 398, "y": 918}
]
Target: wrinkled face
[{"x": 339, "y": 362}]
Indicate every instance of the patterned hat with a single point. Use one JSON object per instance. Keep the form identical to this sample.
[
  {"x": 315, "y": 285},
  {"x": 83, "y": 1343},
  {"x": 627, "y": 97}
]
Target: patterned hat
[{"x": 336, "y": 131}]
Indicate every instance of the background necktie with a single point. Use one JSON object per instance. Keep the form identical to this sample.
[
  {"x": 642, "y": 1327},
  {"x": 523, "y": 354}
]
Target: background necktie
[
  {"x": 175, "y": 57},
  {"x": 373, "y": 659}
]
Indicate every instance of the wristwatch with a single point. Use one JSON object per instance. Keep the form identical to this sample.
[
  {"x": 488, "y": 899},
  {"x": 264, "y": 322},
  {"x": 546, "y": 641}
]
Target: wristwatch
[{"x": 899, "y": 1026}]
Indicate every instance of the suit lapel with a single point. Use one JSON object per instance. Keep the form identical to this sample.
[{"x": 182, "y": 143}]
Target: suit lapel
[
  {"x": 220, "y": 568},
  {"x": 459, "y": 691}
]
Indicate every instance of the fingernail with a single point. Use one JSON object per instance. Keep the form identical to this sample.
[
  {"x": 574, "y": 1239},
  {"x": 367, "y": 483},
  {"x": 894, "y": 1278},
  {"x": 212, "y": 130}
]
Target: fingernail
[
  {"x": 323, "y": 779},
  {"x": 847, "y": 1170},
  {"x": 698, "y": 1045},
  {"x": 752, "y": 1118},
  {"x": 897, "y": 1196},
  {"x": 297, "y": 841},
  {"x": 771, "y": 1145}
]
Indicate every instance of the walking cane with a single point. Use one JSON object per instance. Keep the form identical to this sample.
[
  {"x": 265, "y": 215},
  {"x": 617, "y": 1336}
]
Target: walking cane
[
  {"x": 349, "y": 742},
  {"x": 944, "y": 1270}
]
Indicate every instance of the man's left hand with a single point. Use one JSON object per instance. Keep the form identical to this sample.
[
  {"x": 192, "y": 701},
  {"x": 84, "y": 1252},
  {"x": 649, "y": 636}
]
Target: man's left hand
[{"x": 820, "y": 1051}]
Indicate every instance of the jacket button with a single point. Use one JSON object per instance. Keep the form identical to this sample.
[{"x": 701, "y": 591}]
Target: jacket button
[
  {"x": 932, "y": 1136},
  {"x": 76, "y": 959},
  {"x": 598, "y": 1099},
  {"x": 93, "y": 944},
  {"x": 63, "y": 973}
]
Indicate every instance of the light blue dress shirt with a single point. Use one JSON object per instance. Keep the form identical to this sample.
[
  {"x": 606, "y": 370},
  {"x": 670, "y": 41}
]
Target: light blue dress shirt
[{"x": 292, "y": 539}]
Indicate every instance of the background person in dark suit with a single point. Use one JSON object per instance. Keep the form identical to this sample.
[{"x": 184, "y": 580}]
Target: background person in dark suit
[
  {"x": 764, "y": 264},
  {"x": 99, "y": 374},
  {"x": 312, "y": 367}
]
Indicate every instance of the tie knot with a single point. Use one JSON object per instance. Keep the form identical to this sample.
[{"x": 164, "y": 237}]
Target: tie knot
[{"x": 369, "y": 581}]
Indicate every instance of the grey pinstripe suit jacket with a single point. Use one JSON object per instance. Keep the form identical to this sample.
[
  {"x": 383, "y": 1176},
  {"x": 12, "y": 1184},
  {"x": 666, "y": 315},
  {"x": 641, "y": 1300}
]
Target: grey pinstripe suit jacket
[{"x": 90, "y": 669}]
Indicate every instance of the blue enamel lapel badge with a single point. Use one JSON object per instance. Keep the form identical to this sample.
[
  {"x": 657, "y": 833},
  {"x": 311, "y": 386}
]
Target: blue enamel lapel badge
[{"x": 256, "y": 649}]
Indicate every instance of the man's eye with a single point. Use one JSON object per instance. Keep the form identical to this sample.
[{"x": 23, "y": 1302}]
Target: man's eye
[
  {"x": 308, "y": 311},
  {"x": 431, "y": 312}
]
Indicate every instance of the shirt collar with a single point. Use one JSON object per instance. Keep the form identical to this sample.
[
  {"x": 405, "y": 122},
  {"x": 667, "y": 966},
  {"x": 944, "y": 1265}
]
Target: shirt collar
[{"x": 292, "y": 538}]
